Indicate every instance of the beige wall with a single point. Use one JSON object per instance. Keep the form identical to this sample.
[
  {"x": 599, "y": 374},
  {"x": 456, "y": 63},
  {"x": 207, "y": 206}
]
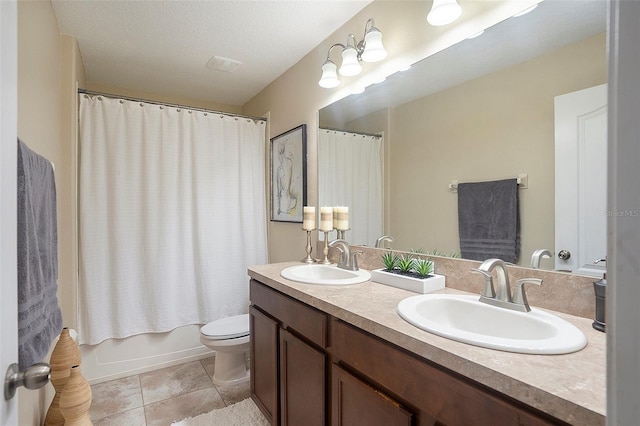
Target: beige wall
[
  {"x": 295, "y": 97},
  {"x": 490, "y": 128},
  {"x": 40, "y": 126}
]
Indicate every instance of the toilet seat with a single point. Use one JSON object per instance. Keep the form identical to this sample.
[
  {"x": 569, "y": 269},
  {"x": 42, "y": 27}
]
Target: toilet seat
[{"x": 226, "y": 328}]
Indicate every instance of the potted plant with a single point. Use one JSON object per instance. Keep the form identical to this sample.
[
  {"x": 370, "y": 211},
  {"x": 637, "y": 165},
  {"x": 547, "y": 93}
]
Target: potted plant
[{"x": 409, "y": 273}]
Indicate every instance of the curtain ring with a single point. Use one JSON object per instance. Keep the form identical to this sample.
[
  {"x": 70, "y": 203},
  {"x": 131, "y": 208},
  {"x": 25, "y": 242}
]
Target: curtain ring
[
  {"x": 178, "y": 109},
  {"x": 121, "y": 101},
  {"x": 205, "y": 114},
  {"x": 161, "y": 106},
  {"x": 141, "y": 104}
]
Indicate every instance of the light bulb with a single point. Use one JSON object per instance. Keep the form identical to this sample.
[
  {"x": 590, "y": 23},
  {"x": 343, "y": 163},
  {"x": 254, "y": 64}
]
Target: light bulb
[
  {"x": 329, "y": 78},
  {"x": 373, "y": 49},
  {"x": 350, "y": 64}
]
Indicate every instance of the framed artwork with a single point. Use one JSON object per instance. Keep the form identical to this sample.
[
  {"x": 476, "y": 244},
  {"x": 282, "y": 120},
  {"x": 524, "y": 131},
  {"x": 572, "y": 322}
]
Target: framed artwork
[{"x": 289, "y": 175}]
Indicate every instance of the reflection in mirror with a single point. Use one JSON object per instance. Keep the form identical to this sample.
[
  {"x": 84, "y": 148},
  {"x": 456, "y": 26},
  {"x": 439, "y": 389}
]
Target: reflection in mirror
[
  {"x": 351, "y": 175},
  {"x": 480, "y": 110}
]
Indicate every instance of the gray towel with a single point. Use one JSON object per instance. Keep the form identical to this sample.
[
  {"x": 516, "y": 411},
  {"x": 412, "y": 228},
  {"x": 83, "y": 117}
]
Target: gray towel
[
  {"x": 489, "y": 220},
  {"x": 39, "y": 316}
]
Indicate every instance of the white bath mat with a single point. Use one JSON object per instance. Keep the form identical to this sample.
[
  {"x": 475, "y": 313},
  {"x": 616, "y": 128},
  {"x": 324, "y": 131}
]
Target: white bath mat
[{"x": 243, "y": 413}]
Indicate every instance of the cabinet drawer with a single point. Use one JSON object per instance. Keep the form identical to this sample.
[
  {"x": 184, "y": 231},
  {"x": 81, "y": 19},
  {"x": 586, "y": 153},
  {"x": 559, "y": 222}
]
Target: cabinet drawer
[
  {"x": 293, "y": 315},
  {"x": 436, "y": 392}
]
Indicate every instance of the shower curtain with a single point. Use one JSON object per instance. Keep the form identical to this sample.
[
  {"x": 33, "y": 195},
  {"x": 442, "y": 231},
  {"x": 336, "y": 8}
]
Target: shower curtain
[
  {"x": 172, "y": 212},
  {"x": 350, "y": 174}
]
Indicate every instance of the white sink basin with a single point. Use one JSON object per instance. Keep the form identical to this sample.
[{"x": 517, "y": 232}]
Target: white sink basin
[
  {"x": 324, "y": 274},
  {"x": 465, "y": 319}
]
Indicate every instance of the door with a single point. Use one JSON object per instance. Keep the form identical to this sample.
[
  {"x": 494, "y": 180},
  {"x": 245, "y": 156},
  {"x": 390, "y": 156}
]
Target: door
[
  {"x": 302, "y": 382},
  {"x": 264, "y": 360},
  {"x": 354, "y": 402},
  {"x": 581, "y": 181},
  {"x": 8, "y": 185}
]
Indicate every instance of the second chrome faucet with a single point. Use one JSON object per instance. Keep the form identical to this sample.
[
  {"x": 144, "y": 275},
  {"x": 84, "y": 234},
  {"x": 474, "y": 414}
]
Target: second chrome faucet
[
  {"x": 348, "y": 258},
  {"x": 500, "y": 293}
]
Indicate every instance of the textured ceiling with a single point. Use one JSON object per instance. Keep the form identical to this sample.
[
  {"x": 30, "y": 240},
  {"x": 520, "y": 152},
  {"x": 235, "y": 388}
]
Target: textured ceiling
[{"x": 163, "y": 46}]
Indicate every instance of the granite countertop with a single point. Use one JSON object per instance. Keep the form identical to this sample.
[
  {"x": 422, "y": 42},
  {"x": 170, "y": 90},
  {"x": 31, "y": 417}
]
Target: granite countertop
[{"x": 571, "y": 387}]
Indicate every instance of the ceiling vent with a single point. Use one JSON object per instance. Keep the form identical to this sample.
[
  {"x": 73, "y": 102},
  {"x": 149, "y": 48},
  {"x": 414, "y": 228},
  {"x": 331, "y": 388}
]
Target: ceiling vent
[{"x": 223, "y": 64}]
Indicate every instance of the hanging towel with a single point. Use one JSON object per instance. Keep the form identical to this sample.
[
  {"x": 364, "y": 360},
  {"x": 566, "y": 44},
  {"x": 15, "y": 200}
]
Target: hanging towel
[
  {"x": 489, "y": 220},
  {"x": 39, "y": 316}
]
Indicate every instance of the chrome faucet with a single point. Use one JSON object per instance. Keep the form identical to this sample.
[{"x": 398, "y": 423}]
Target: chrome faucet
[
  {"x": 348, "y": 258},
  {"x": 382, "y": 239},
  {"x": 537, "y": 255},
  {"x": 500, "y": 295}
]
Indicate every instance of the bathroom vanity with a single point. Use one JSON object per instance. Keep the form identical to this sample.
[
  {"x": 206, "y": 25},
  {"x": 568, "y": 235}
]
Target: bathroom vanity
[{"x": 341, "y": 355}]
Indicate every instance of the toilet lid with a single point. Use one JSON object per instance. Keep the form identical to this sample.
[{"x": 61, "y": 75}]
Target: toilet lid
[{"x": 227, "y": 328}]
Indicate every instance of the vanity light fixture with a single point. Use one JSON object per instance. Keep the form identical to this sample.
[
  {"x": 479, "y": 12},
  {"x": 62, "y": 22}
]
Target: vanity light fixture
[
  {"x": 443, "y": 12},
  {"x": 370, "y": 49}
]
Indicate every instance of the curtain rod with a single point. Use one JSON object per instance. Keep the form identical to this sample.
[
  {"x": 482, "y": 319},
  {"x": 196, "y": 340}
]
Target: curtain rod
[
  {"x": 128, "y": 98},
  {"x": 376, "y": 135}
]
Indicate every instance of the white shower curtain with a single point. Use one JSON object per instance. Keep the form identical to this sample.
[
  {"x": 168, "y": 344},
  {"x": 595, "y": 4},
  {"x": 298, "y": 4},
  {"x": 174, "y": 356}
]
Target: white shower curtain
[
  {"x": 350, "y": 174},
  {"x": 172, "y": 212}
]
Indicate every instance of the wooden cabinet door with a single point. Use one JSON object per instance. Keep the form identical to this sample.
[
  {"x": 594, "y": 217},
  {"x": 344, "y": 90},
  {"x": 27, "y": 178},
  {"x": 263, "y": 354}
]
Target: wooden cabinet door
[
  {"x": 264, "y": 363},
  {"x": 354, "y": 403},
  {"x": 302, "y": 382}
]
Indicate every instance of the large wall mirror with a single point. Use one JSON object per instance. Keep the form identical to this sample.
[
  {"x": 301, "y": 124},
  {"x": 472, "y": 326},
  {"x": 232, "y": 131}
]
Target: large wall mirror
[{"x": 480, "y": 110}]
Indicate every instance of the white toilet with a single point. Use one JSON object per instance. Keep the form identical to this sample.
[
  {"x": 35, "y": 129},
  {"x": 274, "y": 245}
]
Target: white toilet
[{"x": 229, "y": 337}]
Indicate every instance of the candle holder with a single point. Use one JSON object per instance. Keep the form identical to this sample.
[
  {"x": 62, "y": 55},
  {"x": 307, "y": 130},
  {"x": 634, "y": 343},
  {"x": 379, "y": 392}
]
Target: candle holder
[
  {"x": 309, "y": 248},
  {"x": 325, "y": 251},
  {"x": 341, "y": 232}
]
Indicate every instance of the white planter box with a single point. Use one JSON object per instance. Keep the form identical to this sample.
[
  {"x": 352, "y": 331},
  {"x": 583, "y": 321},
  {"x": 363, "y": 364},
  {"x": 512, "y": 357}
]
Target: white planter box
[{"x": 418, "y": 285}]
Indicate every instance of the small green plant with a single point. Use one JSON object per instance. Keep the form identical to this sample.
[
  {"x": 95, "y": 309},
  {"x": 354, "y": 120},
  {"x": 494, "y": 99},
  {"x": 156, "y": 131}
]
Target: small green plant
[
  {"x": 423, "y": 267},
  {"x": 390, "y": 261},
  {"x": 405, "y": 264},
  {"x": 418, "y": 251}
]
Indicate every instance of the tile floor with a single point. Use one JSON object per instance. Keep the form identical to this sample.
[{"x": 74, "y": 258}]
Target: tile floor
[{"x": 163, "y": 396}]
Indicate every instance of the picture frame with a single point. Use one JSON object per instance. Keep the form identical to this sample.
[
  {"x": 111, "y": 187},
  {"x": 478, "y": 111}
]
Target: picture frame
[{"x": 288, "y": 163}]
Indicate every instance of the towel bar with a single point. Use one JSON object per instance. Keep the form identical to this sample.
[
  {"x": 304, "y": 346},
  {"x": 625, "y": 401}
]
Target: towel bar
[{"x": 523, "y": 182}]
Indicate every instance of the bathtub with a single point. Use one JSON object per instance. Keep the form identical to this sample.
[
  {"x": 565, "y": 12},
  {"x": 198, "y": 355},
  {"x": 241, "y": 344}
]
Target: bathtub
[{"x": 117, "y": 358}]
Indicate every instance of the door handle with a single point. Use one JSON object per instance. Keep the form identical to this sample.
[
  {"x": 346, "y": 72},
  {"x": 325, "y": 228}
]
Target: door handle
[
  {"x": 564, "y": 255},
  {"x": 34, "y": 377}
]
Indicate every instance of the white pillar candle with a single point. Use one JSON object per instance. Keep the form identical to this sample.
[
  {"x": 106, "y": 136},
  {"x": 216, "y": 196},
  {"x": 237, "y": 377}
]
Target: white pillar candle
[
  {"x": 335, "y": 217},
  {"x": 309, "y": 218},
  {"x": 326, "y": 218},
  {"x": 343, "y": 218}
]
